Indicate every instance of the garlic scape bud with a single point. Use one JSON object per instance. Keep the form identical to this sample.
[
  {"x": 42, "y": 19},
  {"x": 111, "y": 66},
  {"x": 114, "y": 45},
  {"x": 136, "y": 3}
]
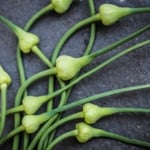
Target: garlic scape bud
[
  {"x": 26, "y": 39},
  {"x": 85, "y": 132},
  {"x": 4, "y": 77},
  {"x": 67, "y": 67},
  {"x": 93, "y": 113},
  {"x": 32, "y": 103},
  {"x": 110, "y": 13},
  {"x": 32, "y": 122},
  {"x": 61, "y": 6}
]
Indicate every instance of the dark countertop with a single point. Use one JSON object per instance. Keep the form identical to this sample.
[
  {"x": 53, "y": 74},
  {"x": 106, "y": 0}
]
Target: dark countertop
[{"x": 132, "y": 69}]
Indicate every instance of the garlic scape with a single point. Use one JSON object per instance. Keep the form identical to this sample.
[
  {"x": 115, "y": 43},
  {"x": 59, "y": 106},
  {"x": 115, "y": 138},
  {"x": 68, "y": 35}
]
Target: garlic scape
[
  {"x": 110, "y": 13},
  {"x": 67, "y": 67},
  {"x": 61, "y": 6}
]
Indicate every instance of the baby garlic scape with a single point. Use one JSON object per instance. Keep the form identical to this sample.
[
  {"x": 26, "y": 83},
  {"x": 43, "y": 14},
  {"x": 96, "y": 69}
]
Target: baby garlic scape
[
  {"x": 27, "y": 40},
  {"x": 92, "y": 112},
  {"x": 61, "y": 6},
  {"x": 85, "y": 132},
  {"x": 110, "y": 13},
  {"x": 32, "y": 122},
  {"x": 67, "y": 67},
  {"x": 31, "y": 104}
]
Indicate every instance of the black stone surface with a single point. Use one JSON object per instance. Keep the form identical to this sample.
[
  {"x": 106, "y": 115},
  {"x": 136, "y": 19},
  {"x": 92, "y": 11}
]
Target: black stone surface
[{"x": 132, "y": 69}]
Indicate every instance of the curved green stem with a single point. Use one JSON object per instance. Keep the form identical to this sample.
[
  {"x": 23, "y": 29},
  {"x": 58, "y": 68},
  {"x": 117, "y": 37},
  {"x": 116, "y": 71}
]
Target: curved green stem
[
  {"x": 102, "y": 133},
  {"x": 62, "y": 137},
  {"x": 20, "y": 66},
  {"x": 71, "y": 31},
  {"x": 39, "y": 53},
  {"x": 11, "y": 134},
  {"x": 37, "y": 15},
  {"x": 14, "y": 110},
  {"x": 3, "y": 107},
  {"x": 57, "y": 124},
  {"x": 92, "y": 29}
]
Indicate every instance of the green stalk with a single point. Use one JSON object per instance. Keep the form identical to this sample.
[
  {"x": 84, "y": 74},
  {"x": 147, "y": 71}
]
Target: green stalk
[
  {"x": 102, "y": 133},
  {"x": 57, "y": 124},
  {"x": 37, "y": 15},
  {"x": 22, "y": 80},
  {"x": 3, "y": 107},
  {"x": 128, "y": 110},
  {"x": 12, "y": 26},
  {"x": 92, "y": 29},
  {"x": 62, "y": 137},
  {"x": 11, "y": 134},
  {"x": 140, "y": 10},
  {"x": 13, "y": 110},
  {"x": 42, "y": 57}
]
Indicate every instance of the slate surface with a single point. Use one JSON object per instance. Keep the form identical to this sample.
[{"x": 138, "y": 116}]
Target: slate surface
[{"x": 132, "y": 69}]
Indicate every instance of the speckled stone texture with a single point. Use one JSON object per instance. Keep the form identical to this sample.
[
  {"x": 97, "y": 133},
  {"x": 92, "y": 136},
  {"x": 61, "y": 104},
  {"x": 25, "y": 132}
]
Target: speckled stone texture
[{"x": 132, "y": 69}]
